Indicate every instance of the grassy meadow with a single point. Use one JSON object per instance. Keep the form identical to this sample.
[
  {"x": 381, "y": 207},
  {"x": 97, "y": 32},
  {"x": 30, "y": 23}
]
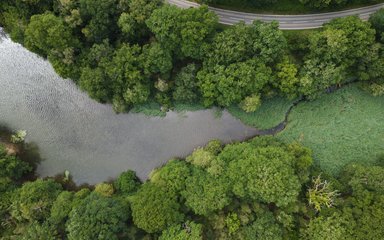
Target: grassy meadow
[
  {"x": 271, "y": 113},
  {"x": 343, "y": 127}
]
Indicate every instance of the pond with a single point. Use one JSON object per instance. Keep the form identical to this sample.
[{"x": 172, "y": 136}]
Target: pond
[{"x": 88, "y": 139}]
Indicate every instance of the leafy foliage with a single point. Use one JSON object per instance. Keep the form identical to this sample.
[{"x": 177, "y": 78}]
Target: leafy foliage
[
  {"x": 11, "y": 166},
  {"x": 205, "y": 193},
  {"x": 377, "y": 21},
  {"x": 153, "y": 199},
  {"x": 186, "y": 231},
  {"x": 263, "y": 174},
  {"x": 33, "y": 201},
  {"x": 325, "y": 228},
  {"x": 127, "y": 182},
  {"x": 97, "y": 217}
]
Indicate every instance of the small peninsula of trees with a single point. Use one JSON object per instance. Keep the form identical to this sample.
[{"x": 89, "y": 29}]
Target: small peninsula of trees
[
  {"x": 132, "y": 52},
  {"x": 259, "y": 189}
]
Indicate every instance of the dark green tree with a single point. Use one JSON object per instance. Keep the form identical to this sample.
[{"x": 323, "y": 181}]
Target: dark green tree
[
  {"x": 320, "y": 4},
  {"x": 39, "y": 231},
  {"x": 33, "y": 201},
  {"x": 172, "y": 176},
  {"x": 186, "y": 87},
  {"x": 263, "y": 174},
  {"x": 264, "y": 228},
  {"x": 261, "y": 41},
  {"x": 61, "y": 208},
  {"x": 47, "y": 33},
  {"x": 97, "y": 217},
  {"x": 183, "y": 31},
  {"x": 228, "y": 85},
  {"x": 186, "y": 231},
  {"x": 132, "y": 21},
  {"x": 325, "y": 228},
  {"x": 49, "y": 36},
  {"x": 127, "y": 182},
  {"x": 205, "y": 193},
  {"x": 156, "y": 59},
  {"x": 154, "y": 209},
  {"x": 130, "y": 85},
  {"x": 377, "y": 22},
  {"x": 11, "y": 166},
  {"x": 99, "y": 19}
]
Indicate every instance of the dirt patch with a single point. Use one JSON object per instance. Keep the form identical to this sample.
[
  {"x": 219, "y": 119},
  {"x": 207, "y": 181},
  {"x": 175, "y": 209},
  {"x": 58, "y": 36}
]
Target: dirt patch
[{"x": 12, "y": 149}]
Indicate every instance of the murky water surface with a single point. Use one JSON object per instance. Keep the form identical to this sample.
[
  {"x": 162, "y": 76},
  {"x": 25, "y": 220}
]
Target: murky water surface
[{"x": 78, "y": 134}]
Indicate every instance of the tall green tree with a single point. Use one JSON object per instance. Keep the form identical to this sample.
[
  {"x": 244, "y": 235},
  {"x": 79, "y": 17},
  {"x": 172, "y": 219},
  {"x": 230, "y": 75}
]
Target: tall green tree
[
  {"x": 49, "y": 36},
  {"x": 185, "y": 32},
  {"x": 186, "y": 231},
  {"x": 377, "y": 22},
  {"x": 320, "y": 4},
  {"x": 132, "y": 21},
  {"x": 154, "y": 209},
  {"x": 99, "y": 19},
  {"x": 205, "y": 193},
  {"x": 33, "y": 201},
  {"x": 264, "y": 174},
  {"x": 127, "y": 182},
  {"x": 47, "y": 33},
  {"x": 263, "y": 228},
  {"x": 341, "y": 48},
  {"x": 130, "y": 85},
  {"x": 172, "y": 177},
  {"x": 186, "y": 87},
  {"x": 228, "y": 85},
  {"x": 97, "y": 217},
  {"x": 325, "y": 228},
  {"x": 11, "y": 166},
  {"x": 261, "y": 41},
  {"x": 93, "y": 76}
]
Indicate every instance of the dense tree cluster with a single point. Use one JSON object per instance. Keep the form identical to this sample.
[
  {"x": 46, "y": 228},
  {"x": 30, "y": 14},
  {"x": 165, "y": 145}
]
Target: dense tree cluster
[
  {"x": 259, "y": 189},
  {"x": 132, "y": 52}
]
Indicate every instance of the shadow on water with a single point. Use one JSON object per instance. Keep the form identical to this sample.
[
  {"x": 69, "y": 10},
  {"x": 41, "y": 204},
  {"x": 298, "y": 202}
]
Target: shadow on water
[{"x": 69, "y": 184}]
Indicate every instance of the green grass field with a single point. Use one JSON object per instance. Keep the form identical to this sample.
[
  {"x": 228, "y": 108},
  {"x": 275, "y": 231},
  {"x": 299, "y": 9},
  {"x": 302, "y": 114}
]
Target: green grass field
[
  {"x": 343, "y": 127},
  {"x": 271, "y": 113}
]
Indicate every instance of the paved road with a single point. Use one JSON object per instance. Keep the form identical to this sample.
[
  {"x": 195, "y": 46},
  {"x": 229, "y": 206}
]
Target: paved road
[{"x": 308, "y": 21}]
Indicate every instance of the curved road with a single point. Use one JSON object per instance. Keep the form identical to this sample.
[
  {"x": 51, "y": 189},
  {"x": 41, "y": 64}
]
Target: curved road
[{"x": 287, "y": 22}]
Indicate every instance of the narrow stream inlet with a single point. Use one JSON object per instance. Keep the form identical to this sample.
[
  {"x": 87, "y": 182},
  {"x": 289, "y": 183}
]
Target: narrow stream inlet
[{"x": 78, "y": 134}]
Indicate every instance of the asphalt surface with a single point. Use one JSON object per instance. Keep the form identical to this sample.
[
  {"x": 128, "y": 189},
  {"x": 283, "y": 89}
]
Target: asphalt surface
[{"x": 288, "y": 22}]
